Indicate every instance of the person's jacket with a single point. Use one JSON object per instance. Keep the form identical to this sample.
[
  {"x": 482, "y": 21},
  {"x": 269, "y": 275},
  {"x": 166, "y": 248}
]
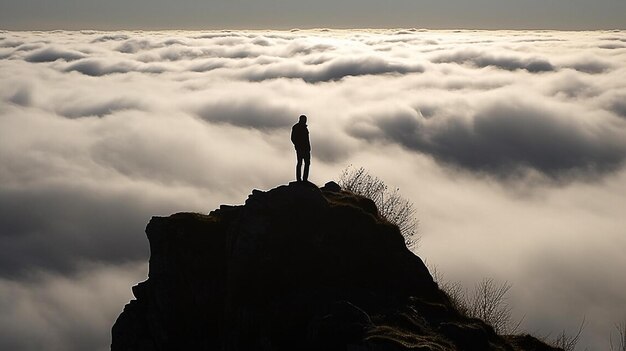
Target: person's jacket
[{"x": 300, "y": 137}]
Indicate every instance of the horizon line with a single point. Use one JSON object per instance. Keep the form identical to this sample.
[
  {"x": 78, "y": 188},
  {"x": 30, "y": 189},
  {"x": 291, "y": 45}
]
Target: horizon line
[{"x": 296, "y": 29}]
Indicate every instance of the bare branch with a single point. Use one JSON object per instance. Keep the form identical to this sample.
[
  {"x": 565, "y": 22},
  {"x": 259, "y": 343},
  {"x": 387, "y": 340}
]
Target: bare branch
[
  {"x": 391, "y": 205},
  {"x": 489, "y": 303},
  {"x": 620, "y": 344},
  {"x": 568, "y": 342}
]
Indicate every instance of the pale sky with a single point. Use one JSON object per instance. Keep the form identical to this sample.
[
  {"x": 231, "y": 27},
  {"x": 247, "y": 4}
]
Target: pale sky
[{"x": 275, "y": 14}]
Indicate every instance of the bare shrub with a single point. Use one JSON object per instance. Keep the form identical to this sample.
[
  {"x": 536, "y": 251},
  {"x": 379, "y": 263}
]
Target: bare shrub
[
  {"x": 620, "y": 343},
  {"x": 489, "y": 303},
  {"x": 567, "y": 341},
  {"x": 391, "y": 205},
  {"x": 454, "y": 290}
]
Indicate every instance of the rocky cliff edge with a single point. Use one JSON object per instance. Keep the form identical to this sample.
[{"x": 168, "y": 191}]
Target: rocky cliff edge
[{"x": 295, "y": 268}]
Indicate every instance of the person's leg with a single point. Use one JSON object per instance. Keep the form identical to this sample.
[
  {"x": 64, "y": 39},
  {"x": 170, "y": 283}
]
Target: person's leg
[
  {"x": 299, "y": 166},
  {"x": 307, "y": 162}
]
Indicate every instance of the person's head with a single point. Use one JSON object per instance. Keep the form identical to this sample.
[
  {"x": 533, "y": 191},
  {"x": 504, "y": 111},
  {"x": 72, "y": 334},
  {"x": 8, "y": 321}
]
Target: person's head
[{"x": 302, "y": 119}]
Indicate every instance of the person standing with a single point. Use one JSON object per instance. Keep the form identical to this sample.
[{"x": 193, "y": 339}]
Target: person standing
[{"x": 300, "y": 140}]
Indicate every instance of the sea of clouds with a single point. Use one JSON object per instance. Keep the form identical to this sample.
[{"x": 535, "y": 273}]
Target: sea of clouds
[{"x": 511, "y": 144}]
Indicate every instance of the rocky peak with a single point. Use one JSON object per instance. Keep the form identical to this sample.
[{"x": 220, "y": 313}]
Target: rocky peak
[{"x": 295, "y": 268}]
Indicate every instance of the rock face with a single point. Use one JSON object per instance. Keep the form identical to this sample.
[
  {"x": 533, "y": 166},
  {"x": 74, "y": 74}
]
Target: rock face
[{"x": 295, "y": 268}]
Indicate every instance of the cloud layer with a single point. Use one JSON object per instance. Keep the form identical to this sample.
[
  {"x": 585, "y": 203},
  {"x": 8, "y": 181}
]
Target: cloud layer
[
  {"x": 512, "y": 144},
  {"x": 506, "y": 136}
]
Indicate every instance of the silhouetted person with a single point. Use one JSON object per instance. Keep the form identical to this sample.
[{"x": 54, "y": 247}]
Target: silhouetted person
[{"x": 300, "y": 140}]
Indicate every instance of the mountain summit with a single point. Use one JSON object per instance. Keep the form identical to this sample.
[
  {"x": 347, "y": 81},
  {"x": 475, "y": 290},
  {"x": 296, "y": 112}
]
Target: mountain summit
[{"x": 295, "y": 268}]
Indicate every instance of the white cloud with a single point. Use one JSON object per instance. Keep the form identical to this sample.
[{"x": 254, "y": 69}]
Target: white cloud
[
  {"x": 505, "y": 135},
  {"x": 50, "y": 54},
  {"x": 59, "y": 312},
  {"x": 101, "y": 130},
  {"x": 507, "y": 62},
  {"x": 256, "y": 113},
  {"x": 99, "y": 67},
  {"x": 333, "y": 69}
]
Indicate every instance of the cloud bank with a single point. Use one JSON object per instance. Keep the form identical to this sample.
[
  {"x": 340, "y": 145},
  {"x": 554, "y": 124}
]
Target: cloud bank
[
  {"x": 506, "y": 136},
  {"x": 512, "y": 144}
]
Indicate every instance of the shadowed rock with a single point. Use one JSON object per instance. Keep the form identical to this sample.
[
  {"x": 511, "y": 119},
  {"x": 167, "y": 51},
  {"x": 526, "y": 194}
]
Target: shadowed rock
[{"x": 295, "y": 268}]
